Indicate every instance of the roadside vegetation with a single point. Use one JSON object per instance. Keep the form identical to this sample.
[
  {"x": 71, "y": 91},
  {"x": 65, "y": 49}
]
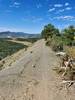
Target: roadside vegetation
[
  {"x": 7, "y": 48},
  {"x": 56, "y": 38},
  {"x": 63, "y": 43}
]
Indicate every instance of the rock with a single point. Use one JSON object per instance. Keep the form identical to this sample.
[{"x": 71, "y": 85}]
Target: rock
[{"x": 60, "y": 53}]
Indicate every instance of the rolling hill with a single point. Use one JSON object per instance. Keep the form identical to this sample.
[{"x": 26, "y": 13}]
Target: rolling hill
[{"x": 8, "y": 34}]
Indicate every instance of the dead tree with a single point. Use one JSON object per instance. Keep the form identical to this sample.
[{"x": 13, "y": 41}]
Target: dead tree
[{"x": 66, "y": 63}]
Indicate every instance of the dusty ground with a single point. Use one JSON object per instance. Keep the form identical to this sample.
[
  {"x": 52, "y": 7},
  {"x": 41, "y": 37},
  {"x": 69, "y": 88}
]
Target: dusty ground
[{"x": 32, "y": 77}]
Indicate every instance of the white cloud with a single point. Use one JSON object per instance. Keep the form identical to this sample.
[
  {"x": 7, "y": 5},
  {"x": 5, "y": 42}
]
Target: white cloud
[
  {"x": 39, "y": 5},
  {"x": 52, "y": 9},
  {"x": 68, "y": 8},
  {"x": 16, "y": 3},
  {"x": 65, "y": 9},
  {"x": 60, "y": 11},
  {"x": 66, "y": 4},
  {"x": 70, "y": 18},
  {"x": 58, "y": 5}
]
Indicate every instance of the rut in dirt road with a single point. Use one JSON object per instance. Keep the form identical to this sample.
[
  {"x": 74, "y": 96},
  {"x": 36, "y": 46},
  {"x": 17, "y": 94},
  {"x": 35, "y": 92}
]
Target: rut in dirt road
[{"x": 32, "y": 76}]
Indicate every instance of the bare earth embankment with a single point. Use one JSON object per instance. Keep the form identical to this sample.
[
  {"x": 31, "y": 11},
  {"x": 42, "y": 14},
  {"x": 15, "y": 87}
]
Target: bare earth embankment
[{"x": 32, "y": 77}]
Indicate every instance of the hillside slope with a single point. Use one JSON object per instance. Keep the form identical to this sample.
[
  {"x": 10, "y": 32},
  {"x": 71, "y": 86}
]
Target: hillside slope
[{"x": 8, "y": 34}]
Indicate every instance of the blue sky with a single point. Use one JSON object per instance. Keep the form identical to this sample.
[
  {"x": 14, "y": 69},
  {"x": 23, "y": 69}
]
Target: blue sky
[{"x": 31, "y": 15}]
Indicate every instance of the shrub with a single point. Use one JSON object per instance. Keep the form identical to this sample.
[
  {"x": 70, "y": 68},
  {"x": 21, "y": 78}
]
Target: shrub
[
  {"x": 48, "y": 43},
  {"x": 56, "y": 43}
]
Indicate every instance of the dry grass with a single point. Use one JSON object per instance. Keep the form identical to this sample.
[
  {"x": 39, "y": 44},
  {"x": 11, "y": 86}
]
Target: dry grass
[
  {"x": 70, "y": 51},
  {"x": 69, "y": 75},
  {"x": 59, "y": 70}
]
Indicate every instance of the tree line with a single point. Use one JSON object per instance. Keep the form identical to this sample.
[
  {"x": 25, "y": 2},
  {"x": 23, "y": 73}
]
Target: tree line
[{"x": 55, "y": 37}]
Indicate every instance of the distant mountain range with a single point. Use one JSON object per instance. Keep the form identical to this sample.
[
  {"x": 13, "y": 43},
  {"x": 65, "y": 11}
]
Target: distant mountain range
[{"x": 8, "y": 34}]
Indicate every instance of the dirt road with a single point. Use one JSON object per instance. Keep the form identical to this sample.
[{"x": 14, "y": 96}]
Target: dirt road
[{"x": 32, "y": 77}]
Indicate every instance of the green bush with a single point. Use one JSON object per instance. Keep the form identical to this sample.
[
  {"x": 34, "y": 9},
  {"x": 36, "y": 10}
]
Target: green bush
[{"x": 56, "y": 43}]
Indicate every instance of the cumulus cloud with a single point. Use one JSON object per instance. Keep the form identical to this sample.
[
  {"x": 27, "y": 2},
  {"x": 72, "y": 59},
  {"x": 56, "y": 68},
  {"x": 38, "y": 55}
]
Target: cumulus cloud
[
  {"x": 52, "y": 9},
  {"x": 58, "y": 5},
  {"x": 66, "y": 4},
  {"x": 16, "y": 3},
  {"x": 68, "y": 8}
]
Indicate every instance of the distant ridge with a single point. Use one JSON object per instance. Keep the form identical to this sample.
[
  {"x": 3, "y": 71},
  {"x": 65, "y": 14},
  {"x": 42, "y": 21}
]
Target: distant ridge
[{"x": 8, "y": 34}]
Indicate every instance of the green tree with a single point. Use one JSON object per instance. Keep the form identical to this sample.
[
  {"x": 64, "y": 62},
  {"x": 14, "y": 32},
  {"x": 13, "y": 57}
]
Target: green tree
[
  {"x": 48, "y": 31},
  {"x": 69, "y": 32}
]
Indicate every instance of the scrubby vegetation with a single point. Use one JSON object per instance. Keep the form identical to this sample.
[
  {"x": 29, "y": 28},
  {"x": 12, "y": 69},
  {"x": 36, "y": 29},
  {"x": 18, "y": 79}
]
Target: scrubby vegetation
[
  {"x": 56, "y": 39},
  {"x": 32, "y": 40},
  {"x": 8, "y": 48},
  {"x": 70, "y": 51},
  {"x": 69, "y": 74},
  {"x": 62, "y": 41}
]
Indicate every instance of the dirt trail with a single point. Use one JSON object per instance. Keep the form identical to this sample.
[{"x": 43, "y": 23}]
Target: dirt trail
[{"x": 32, "y": 77}]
